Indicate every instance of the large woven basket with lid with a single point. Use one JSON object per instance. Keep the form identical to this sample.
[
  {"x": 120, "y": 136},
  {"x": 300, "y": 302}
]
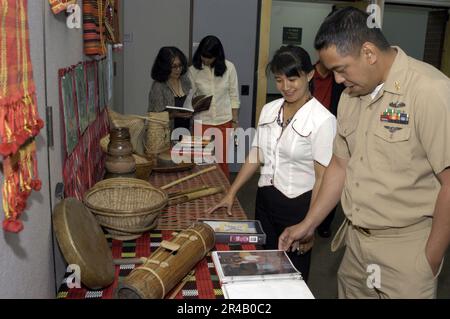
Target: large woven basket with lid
[{"x": 126, "y": 209}]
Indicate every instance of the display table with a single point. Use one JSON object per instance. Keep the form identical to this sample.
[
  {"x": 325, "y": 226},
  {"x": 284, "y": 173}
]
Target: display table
[
  {"x": 183, "y": 215},
  {"x": 204, "y": 284}
]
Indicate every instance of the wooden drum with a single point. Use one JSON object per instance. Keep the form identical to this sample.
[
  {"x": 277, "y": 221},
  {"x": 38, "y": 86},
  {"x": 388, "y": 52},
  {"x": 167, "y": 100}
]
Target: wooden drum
[{"x": 169, "y": 264}]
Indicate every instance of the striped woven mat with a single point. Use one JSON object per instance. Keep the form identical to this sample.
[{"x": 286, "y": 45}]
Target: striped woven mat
[
  {"x": 204, "y": 284},
  {"x": 182, "y": 216}
]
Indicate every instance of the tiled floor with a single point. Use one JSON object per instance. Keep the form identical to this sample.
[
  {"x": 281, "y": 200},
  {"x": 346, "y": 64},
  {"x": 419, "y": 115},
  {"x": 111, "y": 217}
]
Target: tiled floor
[{"x": 324, "y": 264}]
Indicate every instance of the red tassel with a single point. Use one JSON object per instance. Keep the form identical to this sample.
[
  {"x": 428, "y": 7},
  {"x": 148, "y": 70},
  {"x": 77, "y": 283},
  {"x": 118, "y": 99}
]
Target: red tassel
[
  {"x": 36, "y": 184},
  {"x": 6, "y": 149},
  {"x": 13, "y": 226},
  {"x": 21, "y": 204}
]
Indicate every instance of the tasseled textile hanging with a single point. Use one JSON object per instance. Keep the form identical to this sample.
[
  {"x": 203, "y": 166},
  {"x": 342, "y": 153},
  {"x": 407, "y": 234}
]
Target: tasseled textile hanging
[{"x": 19, "y": 119}]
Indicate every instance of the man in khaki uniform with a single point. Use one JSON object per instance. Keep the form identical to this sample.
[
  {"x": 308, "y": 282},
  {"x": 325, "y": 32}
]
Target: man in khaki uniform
[{"x": 390, "y": 165}]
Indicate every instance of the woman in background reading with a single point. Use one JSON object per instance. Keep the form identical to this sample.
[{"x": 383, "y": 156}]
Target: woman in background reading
[
  {"x": 212, "y": 74},
  {"x": 170, "y": 86}
]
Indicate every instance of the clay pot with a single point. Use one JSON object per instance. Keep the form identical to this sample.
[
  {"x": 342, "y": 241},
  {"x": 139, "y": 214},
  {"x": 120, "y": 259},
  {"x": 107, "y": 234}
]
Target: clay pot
[
  {"x": 120, "y": 164},
  {"x": 120, "y": 143}
]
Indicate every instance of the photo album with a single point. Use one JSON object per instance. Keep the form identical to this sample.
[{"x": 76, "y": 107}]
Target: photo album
[{"x": 259, "y": 274}]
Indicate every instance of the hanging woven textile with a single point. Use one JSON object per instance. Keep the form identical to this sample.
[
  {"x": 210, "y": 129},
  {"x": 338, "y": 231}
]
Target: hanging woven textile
[
  {"x": 58, "y": 6},
  {"x": 100, "y": 25},
  {"x": 19, "y": 119}
]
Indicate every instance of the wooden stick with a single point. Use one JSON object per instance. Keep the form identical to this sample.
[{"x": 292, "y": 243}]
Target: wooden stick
[
  {"x": 180, "y": 286},
  {"x": 194, "y": 195},
  {"x": 187, "y": 191},
  {"x": 180, "y": 180},
  {"x": 126, "y": 261}
]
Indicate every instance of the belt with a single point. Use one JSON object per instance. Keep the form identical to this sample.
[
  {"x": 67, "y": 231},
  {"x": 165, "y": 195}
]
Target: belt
[{"x": 393, "y": 230}]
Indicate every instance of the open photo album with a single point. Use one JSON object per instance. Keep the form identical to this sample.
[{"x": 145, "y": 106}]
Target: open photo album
[{"x": 259, "y": 274}]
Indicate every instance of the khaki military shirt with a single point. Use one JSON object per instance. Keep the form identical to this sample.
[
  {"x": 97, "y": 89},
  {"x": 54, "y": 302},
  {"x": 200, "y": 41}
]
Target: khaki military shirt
[{"x": 393, "y": 159}]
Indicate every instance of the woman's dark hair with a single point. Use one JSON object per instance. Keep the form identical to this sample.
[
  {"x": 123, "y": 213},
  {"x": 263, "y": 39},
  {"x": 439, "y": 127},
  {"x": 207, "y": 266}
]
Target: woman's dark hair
[
  {"x": 291, "y": 61},
  {"x": 210, "y": 47},
  {"x": 348, "y": 28},
  {"x": 162, "y": 67}
]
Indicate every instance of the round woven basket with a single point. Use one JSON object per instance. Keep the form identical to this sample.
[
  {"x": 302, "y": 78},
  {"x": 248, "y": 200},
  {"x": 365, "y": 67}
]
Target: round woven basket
[
  {"x": 121, "y": 181},
  {"x": 143, "y": 167},
  {"x": 126, "y": 208}
]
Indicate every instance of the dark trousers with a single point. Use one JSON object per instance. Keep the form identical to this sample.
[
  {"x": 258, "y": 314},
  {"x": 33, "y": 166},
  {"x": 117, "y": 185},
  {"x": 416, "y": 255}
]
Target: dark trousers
[{"x": 275, "y": 211}]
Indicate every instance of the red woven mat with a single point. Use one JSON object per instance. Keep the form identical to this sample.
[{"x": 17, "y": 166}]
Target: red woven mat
[
  {"x": 183, "y": 215},
  {"x": 204, "y": 284}
]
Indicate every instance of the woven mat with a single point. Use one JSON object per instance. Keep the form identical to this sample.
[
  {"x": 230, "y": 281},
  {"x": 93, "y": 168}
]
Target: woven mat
[
  {"x": 182, "y": 216},
  {"x": 204, "y": 284}
]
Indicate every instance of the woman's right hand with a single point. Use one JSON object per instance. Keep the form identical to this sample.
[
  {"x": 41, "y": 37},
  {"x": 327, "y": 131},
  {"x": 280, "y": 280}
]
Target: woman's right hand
[{"x": 227, "y": 202}]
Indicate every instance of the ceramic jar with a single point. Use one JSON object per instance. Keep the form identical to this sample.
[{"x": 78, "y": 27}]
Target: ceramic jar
[
  {"x": 120, "y": 143},
  {"x": 119, "y": 159}
]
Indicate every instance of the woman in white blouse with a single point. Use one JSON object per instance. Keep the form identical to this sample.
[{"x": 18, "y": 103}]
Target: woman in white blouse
[
  {"x": 293, "y": 146},
  {"x": 212, "y": 74}
]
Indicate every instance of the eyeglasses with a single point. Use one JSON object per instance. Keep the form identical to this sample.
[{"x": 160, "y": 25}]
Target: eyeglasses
[{"x": 177, "y": 66}]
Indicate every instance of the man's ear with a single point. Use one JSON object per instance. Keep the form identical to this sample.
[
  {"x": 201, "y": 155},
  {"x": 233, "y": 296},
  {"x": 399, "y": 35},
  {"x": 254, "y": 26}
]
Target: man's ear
[{"x": 369, "y": 52}]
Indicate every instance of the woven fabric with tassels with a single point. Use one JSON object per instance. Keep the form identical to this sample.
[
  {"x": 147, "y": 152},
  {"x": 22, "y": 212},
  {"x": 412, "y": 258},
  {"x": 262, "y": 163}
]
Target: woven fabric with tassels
[{"x": 19, "y": 119}]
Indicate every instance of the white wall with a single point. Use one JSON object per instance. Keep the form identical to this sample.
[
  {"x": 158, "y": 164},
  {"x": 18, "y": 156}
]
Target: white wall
[
  {"x": 407, "y": 28},
  {"x": 307, "y": 16},
  {"x": 26, "y": 262},
  {"x": 149, "y": 25}
]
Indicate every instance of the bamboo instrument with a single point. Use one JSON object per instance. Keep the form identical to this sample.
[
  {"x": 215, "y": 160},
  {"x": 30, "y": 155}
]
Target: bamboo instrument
[
  {"x": 194, "y": 195},
  {"x": 180, "y": 180},
  {"x": 126, "y": 261},
  {"x": 190, "y": 190}
]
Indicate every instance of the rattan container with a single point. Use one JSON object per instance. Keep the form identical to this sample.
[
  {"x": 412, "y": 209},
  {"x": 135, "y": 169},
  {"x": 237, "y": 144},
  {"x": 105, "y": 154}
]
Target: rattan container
[{"x": 126, "y": 209}]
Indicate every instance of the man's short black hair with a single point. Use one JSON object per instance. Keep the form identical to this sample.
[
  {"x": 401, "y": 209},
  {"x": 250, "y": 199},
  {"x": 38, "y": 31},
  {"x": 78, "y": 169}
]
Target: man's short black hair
[{"x": 348, "y": 29}]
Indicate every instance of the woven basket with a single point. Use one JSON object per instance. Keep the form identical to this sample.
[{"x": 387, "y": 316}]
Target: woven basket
[
  {"x": 125, "y": 206},
  {"x": 157, "y": 138},
  {"x": 117, "y": 181},
  {"x": 104, "y": 141},
  {"x": 143, "y": 167},
  {"x": 134, "y": 123}
]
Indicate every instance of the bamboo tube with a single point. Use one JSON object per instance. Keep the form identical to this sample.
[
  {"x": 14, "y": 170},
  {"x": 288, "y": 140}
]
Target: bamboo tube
[
  {"x": 180, "y": 180},
  {"x": 194, "y": 195},
  {"x": 191, "y": 190}
]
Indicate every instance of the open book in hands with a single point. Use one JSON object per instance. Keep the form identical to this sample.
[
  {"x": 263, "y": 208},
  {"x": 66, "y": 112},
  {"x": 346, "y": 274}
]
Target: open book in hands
[{"x": 194, "y": 104}]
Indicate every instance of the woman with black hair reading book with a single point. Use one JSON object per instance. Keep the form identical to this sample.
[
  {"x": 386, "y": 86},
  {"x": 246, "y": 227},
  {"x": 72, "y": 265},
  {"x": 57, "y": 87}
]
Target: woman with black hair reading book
[
  {"x": 212, "y": 75},
  {"x": 171, "y": 85},
  {"x": 293, "y": 146}
]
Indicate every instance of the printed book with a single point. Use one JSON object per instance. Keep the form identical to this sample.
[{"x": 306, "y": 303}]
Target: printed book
[
  {"x": 194, "y": 104},
  {"x": 259, "y": 274},
  {"x": 237, "y": 231}
]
